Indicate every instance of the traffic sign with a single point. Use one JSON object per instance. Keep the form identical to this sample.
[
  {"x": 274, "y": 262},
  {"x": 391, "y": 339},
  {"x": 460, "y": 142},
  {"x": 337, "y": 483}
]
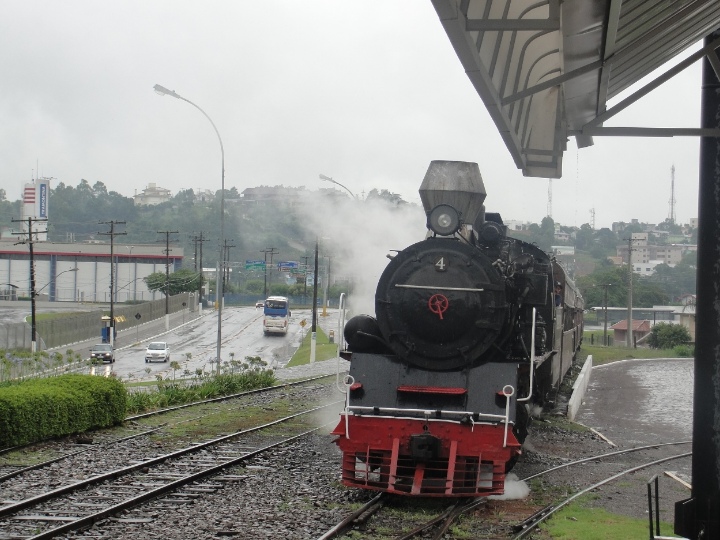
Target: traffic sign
[
  {"x": 303, "y": 323},
  {"x": 254, "y": 265}
]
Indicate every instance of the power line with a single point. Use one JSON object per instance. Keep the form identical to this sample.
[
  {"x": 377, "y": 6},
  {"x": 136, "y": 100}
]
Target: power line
[
  {"x": 271, "y": 251},
  {"x": 112, "y": 234},
  {"x": 199, "y": 242},
  {"x": 167, "y": 272},
  {"x": 31, "y": 239}
]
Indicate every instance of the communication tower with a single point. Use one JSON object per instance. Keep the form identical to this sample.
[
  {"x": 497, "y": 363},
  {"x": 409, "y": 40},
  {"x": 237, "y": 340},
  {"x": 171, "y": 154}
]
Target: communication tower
[
  {"x": 549, "y": 203},
  {"x": 672, "y": 194}
]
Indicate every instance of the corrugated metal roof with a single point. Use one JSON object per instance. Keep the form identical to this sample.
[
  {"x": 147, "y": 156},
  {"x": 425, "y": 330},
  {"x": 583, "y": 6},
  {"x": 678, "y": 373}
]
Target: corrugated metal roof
[{"x": 546, "y": 69}]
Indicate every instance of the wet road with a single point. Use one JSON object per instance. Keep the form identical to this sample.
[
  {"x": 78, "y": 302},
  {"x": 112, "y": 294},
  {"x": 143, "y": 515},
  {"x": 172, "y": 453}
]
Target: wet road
[
  {"x": 193, "y": 344},
  {"x": 636, "y": 402}
]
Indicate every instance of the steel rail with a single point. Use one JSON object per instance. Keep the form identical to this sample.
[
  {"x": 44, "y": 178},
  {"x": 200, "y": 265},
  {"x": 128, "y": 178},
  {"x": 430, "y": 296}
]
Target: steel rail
[
  {"x": 446, "y": 518},
  {"x": 26, "y": 503},
  {"x": 65, "y": 456},
  {"x": 550, "y": 512},
  {"x": 455, "y": 514},
  {"x": 601, "y": 456},
  {"x": 185, "y": 406},
  {"x": 224, "y": 398},
  {"x": 369, "y": 508},
  {"x": 172, "y": 486}
]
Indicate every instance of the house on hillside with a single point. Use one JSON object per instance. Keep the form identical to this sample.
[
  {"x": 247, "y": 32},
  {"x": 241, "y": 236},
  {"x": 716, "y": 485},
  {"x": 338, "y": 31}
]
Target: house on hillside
[
  {"x": 640, "y": 329},
  {"x": 152, "y": 195}
]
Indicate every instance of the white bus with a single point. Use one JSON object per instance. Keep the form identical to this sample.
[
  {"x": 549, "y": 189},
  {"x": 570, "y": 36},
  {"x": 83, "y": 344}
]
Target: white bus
[{"x": 276, "y": 315}]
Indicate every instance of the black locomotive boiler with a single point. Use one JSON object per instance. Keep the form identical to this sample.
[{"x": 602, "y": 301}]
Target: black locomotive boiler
[{"x": 472, "y": 328}]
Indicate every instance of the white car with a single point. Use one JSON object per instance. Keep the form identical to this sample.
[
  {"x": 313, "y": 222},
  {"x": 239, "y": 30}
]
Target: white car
[{"x": 157, "y": 350}]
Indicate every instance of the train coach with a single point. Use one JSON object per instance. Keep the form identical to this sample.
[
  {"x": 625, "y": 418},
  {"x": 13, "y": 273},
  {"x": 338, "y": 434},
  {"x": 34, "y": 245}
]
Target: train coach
[{"x": 472, "y": 329}]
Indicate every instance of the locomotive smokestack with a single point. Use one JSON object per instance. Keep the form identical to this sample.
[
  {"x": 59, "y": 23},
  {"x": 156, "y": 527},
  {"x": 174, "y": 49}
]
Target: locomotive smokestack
[{"x": 455, "y": 183}]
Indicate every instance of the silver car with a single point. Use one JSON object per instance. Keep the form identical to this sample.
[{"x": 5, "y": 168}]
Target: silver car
[{"x": 157, "y": 350}]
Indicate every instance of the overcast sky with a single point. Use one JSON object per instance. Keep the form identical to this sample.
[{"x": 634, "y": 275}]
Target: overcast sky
[{"x": 367, "y": 92}]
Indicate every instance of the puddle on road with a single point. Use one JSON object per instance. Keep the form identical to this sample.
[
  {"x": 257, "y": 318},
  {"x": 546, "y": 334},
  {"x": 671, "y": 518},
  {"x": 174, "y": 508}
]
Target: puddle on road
[{"x": 669, "y": 398}]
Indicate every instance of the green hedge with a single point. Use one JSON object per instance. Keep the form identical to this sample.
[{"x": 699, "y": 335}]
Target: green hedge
[{"x": 39, "y": 409}]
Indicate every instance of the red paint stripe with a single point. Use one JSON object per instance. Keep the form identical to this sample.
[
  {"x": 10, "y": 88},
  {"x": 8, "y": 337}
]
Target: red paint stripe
[{"x": 432, "y": 390}]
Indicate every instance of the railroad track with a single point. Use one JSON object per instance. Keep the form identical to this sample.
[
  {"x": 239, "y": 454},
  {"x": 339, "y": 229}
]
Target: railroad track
[
  {"x": 80, "y": 504},
  {"x": 436, "y": 526},
  {"x": 526, "y": 527},
  {"x": 68, "y": 448}
]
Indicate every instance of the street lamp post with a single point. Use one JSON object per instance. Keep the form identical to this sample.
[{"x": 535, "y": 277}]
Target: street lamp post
[
  {"x": 328, "y": 179},
  {"x": 35, "y": 293},
  {"x": 165, "y": 92},
  {"x": 130, "y": 250}
]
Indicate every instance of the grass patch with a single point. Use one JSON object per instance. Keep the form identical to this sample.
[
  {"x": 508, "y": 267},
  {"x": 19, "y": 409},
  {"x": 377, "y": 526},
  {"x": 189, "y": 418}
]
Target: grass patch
[
  {"x": 54, "y": 315},
  {"x": 551, "y": 421},
  {"x": 324, "y": 350},
  {"x": 579, "y": 522},
  {"x": 603, "y": 355}
]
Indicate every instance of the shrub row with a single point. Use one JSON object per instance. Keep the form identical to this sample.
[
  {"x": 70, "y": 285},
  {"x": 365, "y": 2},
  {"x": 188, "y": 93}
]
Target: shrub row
[
  {"x": 39, "y": 409},
  {"x": 171, "y": 393}
]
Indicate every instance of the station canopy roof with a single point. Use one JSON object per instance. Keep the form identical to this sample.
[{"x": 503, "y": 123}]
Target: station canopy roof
[{"x": 546, "y": 69}]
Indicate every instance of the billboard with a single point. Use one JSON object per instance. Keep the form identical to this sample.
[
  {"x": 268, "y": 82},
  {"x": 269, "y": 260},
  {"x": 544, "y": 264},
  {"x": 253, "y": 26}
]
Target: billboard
[
  {"x": 35, "y": 205},
  {"x": 287, "y": 266}
]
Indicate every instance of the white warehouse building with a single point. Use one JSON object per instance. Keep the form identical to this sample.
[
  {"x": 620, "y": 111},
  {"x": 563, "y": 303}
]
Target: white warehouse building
[{"x": 73, "y": 272}]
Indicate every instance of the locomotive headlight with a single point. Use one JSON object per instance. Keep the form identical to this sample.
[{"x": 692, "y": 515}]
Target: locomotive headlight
[{"x": 443, "y": 220}]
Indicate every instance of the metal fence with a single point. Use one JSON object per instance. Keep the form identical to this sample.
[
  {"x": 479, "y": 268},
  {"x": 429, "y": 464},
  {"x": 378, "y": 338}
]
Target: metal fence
[{"x": 73, "y": 328}]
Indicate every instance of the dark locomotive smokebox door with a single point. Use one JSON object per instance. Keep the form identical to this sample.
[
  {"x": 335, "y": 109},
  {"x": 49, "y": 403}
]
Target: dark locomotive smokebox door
[{"x": 440, "y": 303}]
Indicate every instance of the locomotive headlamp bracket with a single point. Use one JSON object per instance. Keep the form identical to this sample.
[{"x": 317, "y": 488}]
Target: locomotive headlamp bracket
[{"x": 443, "y": 220}]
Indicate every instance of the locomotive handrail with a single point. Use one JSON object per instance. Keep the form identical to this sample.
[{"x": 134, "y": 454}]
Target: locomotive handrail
[
  {"x": 377, "y": 410},
  {"x": 532, "y": 358},
  {"x": 438, "y": 288},
  {"x": 505, "y": 418}
]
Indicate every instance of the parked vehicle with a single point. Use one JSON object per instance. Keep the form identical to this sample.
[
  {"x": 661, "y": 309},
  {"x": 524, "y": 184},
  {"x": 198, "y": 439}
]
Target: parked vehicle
[
  {"x": 157, "y": 350},
  {"x": 102, "y": 352}
]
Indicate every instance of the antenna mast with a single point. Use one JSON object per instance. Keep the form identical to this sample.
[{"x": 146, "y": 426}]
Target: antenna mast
[
  {"x": 549, "y": 202},
  {"x": 672, "y": 194}
]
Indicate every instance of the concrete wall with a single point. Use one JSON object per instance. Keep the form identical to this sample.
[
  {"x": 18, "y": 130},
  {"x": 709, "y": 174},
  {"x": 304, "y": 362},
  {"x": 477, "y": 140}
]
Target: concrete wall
[{"x": 579, "y": 388}]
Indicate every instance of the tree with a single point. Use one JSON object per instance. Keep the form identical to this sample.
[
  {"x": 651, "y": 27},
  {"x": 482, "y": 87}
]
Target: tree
[
  {"x": 666, "y": 336},
  {"x": 184, "y": 280},
  {"x": 584, "y": 237}
]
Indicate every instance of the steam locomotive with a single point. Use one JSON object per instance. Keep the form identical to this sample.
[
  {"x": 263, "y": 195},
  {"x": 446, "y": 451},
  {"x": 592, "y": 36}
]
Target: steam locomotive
[{"x": 472, "y": 329}]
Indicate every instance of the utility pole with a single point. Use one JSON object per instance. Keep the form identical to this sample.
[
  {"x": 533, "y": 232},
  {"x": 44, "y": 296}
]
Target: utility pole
[
  {"x": 605, "y": 286},
  {"x": 112, "y": 234},
  {"x": 305, "y": 263},
  {"x": 325, "y": 287},
  {"x": 199, "y": 241},
  {"x": 629, "y": 305},
  {"x": 271, "y": 251},
  {"x": 30, "y": 241},
  {"x": 226, "y": 256},
  {"x": 313, "y": 337},
  {"x": 167, "y": 276}
]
